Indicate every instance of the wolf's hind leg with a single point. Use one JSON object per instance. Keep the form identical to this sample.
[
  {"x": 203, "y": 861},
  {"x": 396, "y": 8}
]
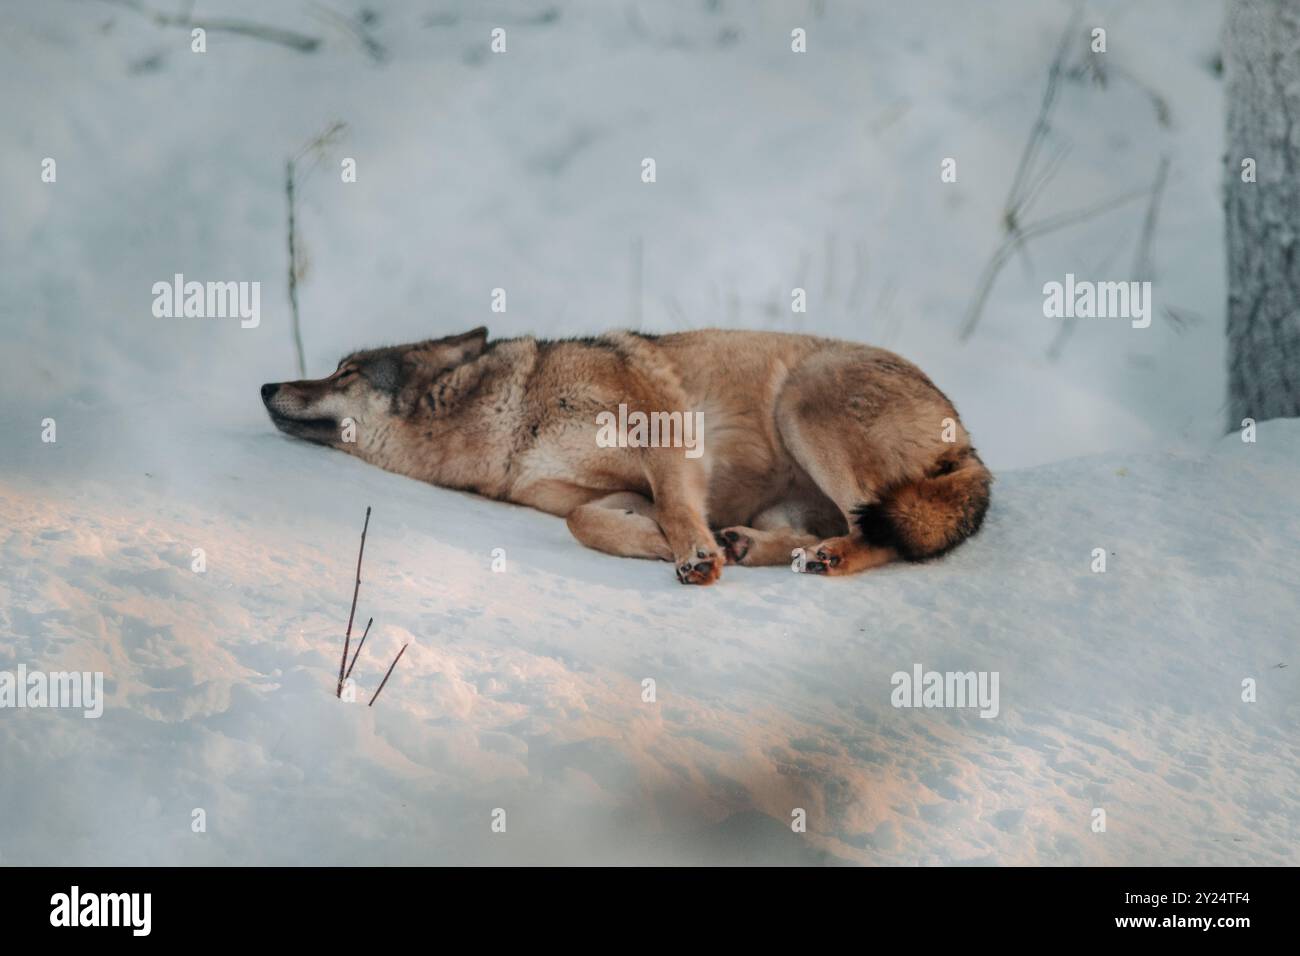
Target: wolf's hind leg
[
  {"x": 859, "y": 424},
  {"x": 847, "y": 554},
  {"x": 755, "y": 549},
  {"x": 621, "y": 524},
  {"x": 775, "y": 534},
  {"x": 779, "y": 531}
]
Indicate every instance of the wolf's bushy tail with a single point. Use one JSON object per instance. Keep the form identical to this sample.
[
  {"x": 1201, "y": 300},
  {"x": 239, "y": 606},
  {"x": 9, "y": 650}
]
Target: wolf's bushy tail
[{"x": 929, "y": 517}]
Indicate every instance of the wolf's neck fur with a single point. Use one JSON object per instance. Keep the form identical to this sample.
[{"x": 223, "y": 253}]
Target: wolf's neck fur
[{"x": 478, "y": 417}]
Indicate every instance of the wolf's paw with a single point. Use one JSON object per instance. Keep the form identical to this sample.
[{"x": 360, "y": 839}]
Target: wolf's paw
[
  {"x": 704, "y": 566},
  {"x": 828, "y": 557},
  {"x": 735, "y": 543},
  {"x": 847, "y": 555}
]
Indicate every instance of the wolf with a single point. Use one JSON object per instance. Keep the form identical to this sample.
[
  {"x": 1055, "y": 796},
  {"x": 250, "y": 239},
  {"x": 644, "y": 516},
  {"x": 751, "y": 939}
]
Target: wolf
[{"x": 831, "y": 456}]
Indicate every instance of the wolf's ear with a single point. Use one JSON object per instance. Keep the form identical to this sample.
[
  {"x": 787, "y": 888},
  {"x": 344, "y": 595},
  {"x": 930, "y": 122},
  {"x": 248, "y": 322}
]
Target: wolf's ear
[
  {"x": 473, "y": 341},
  {"x": 440, "y": 354}
]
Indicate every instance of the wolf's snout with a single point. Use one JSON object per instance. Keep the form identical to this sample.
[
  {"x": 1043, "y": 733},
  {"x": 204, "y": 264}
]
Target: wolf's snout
[{"x": 300, "y": 415}]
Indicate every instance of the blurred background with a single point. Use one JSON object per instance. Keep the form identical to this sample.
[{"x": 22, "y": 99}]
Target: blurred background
[{"x": 522, "y": 170}]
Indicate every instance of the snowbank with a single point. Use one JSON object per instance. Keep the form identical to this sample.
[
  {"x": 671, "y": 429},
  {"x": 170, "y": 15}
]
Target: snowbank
[{"x": 522, "y": 689}]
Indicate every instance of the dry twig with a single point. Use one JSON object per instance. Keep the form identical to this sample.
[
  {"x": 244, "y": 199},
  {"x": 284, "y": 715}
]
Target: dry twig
[
  {"x": 352, "y": 613},
  {"x": 257, "y": 31},
  {"x": 357, "y": 652},
  {"x": 388, "y": 675},
  {"x": 293, "y": 176}
]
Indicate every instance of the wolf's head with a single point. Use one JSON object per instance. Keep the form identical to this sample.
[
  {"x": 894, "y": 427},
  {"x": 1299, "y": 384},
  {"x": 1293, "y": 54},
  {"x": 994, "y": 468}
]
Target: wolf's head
[{"x": 372, "y": 395}]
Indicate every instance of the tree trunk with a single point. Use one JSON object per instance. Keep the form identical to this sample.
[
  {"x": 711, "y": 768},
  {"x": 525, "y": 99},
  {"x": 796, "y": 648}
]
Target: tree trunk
[{"x": 1262, "y": 60}]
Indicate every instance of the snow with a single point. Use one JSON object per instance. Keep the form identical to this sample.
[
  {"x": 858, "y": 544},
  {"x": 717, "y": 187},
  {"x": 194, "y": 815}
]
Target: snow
[{"x": 522, "y": 689}]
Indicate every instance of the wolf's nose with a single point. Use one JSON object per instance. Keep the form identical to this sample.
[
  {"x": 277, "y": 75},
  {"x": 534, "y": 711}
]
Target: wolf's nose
[{"x": 269, "y": 389}]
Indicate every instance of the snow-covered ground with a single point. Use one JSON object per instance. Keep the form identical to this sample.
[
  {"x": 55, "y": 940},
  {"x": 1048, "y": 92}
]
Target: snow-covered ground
[{"x": 522, "y": 689}]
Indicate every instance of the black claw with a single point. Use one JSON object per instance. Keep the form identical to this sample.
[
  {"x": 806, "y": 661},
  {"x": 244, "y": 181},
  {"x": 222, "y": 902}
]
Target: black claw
[{"x": 815, "y": 567}]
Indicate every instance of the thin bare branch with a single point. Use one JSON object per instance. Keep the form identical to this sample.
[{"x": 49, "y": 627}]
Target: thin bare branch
[
  {"x": 356, "y": 29},
  {"x": 294, "y": 176},
  {"x": 1142, "y": 258},
  {"x": 1013, "y": 206},
  {"x": 352, "y": 613},
  {"x": 257, "y": 31},
  {"x": 1008, "y": 245},
  {"x": 388, "y": 675},
  {"x": 295, "y": 326},
  {"x": 357, "y": 652}
]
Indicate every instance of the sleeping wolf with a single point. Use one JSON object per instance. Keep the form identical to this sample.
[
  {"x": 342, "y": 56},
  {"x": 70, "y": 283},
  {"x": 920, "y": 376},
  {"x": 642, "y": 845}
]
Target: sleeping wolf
[{"x": 829, "y": 455}]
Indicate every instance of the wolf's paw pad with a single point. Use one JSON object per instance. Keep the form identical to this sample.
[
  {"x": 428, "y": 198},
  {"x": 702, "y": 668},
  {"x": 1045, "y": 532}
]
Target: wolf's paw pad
[
  {"x": 704, "y": 567},
  {"x": 734, "y": 543}
]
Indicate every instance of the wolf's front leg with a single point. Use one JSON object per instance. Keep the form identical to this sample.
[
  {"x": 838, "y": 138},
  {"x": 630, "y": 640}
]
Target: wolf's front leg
[
  {"x": 621, "y": 524},
  {"x": 679, "y": 485}
]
